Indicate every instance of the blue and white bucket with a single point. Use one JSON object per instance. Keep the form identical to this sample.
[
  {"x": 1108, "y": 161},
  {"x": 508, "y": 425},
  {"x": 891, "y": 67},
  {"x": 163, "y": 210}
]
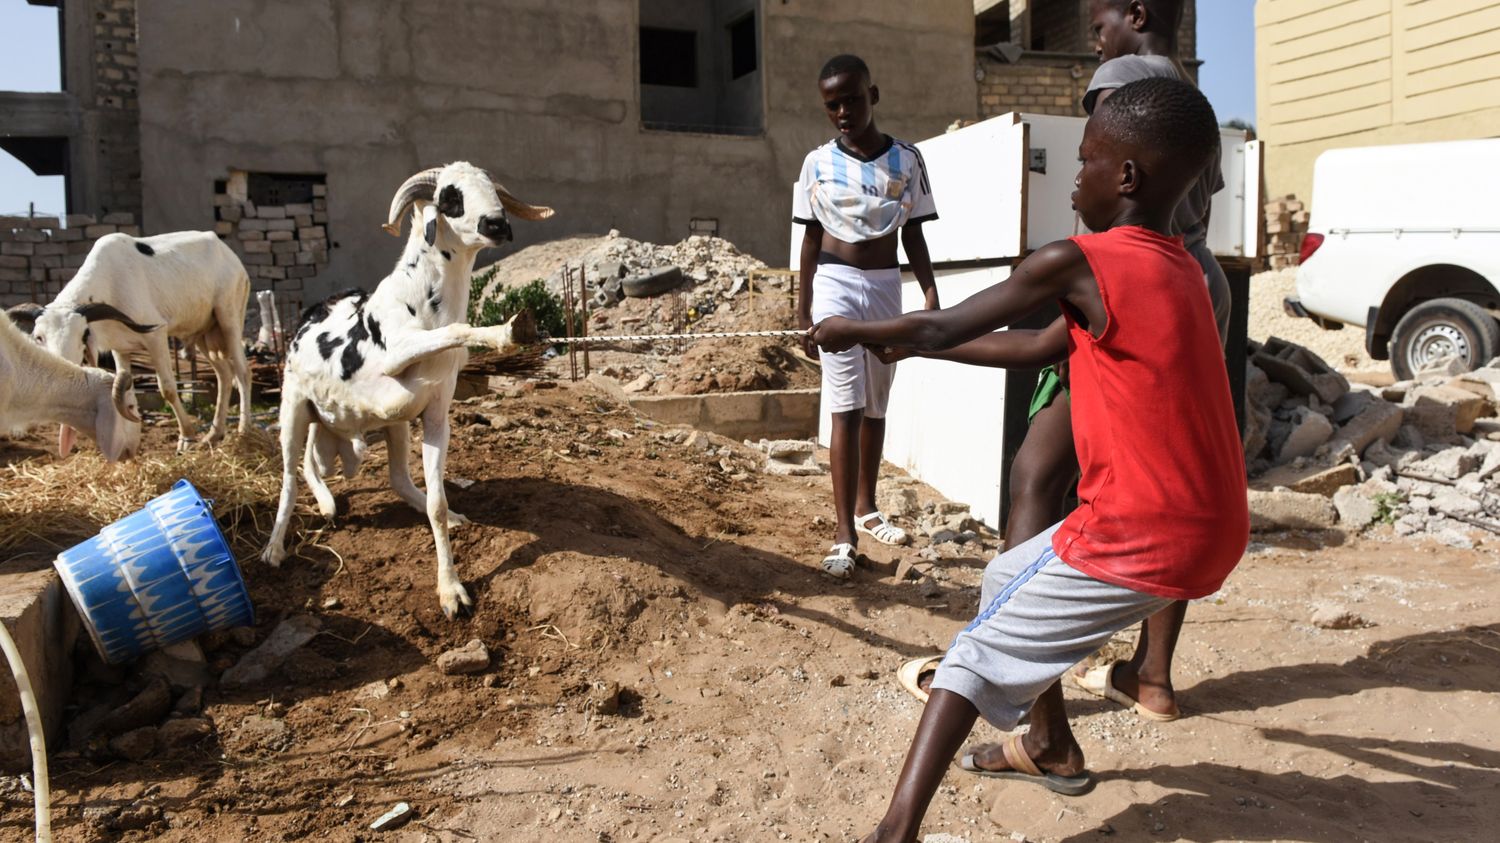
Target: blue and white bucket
[{"x": 161, "y": 575}]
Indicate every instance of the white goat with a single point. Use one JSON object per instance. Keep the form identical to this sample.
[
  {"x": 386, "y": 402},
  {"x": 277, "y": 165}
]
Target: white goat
[
  {"x": 37, "y": 387},
  {"x": 186, "y": 284},
  {"x": 363, "y": 361}
]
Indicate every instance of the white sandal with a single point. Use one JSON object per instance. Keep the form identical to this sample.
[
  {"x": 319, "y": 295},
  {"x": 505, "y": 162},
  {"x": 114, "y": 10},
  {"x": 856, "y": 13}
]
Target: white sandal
[
  {"x": 840, "y": 561},
  {"x": 884, "y": 531}
]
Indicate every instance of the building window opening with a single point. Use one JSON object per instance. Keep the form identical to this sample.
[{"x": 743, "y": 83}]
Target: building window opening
[
  {"x": 700, "y": 67},
  {"x": 742, "y": 52},
  {"x": 669, "y": 57}
]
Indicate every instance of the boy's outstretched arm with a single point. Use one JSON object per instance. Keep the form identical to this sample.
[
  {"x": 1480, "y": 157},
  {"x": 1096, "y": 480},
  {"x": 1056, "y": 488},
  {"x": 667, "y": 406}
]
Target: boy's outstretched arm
[
  {"x": 921, "y": 263},
  {"x": 1022, "y": 348},
  {"x": 1055, "y": 271}
]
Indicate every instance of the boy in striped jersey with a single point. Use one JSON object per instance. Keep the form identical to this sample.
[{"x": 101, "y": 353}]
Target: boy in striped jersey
[{"x": 854, "y": 195}]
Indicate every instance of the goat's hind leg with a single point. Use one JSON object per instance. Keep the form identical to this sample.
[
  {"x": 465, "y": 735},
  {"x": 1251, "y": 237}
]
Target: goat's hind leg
[
  {"x": 322, "y": 449},
  {"x": 296, "y": 418},
  {"x": 398, "y": 441}
]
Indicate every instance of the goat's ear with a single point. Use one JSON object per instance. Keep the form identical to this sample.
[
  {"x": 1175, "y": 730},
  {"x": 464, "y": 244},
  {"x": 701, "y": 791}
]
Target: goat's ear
[
  {"x": 97, "y": 311},
  {"x": 429, "y": 224},
  {"x": 25, "y": 315}
]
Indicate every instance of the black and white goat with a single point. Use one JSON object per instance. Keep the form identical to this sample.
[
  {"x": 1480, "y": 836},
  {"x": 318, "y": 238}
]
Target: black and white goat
[
  {"x": 37, "y": 387},
  {"x": 362, "y": 361},
  {"x": 186, "y": 284}
]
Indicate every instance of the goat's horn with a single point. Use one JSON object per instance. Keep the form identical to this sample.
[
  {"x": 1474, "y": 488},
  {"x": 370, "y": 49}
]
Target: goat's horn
[
  {"x": 419, "y": 186},
  {"x": 96, "y": 311},
  {"x": 25, "y": 315},
  {"x": 120, "y": 393},
  {"x": 516, "y": 206}
]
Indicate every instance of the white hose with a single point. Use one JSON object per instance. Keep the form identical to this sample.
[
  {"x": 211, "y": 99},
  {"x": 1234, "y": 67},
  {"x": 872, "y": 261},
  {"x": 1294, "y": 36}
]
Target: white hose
[{"x": 38, "y": 739}]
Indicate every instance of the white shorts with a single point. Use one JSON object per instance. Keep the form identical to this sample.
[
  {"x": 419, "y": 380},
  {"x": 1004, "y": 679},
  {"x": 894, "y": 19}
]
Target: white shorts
[{"x": 856, "y": 379}]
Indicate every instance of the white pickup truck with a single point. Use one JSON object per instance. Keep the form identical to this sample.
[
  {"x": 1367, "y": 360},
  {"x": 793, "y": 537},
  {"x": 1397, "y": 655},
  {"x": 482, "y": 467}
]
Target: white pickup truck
[{"x": 1404, "y": 241}]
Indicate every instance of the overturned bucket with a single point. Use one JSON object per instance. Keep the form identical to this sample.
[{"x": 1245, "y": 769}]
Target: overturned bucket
[{"x": 161, "y": 575}]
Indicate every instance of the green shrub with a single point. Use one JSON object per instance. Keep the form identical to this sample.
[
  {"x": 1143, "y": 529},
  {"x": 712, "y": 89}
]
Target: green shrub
[{"x": 546, "y": 307}]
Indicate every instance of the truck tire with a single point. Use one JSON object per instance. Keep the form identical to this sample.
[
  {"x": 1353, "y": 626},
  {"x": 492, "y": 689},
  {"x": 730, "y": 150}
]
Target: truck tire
[
  {"x": 653, "y": 282},
  {"x": 1440, "y": 328}
]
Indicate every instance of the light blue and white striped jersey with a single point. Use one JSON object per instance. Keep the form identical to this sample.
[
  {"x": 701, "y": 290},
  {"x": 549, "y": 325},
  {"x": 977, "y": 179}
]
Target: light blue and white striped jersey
[{"x": 855, "y": 199}]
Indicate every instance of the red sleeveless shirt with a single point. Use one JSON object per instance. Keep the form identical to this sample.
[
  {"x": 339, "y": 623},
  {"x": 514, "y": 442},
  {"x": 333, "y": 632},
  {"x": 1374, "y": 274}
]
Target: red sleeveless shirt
[{"x": 1162, "y": 503}]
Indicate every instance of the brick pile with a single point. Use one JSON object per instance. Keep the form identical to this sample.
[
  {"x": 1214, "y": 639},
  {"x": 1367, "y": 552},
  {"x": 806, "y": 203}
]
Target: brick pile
[
  {"x": 1286, "y": 223},
  {"x": 38, "y": 255},
  {"x": 281, "y": 245}
]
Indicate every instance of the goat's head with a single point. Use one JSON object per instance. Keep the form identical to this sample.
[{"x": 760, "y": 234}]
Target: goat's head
[
  {"x": 117, "y": 419},
  {"x": 460, "y": 201},
  {"x": 64, "y": 331}
]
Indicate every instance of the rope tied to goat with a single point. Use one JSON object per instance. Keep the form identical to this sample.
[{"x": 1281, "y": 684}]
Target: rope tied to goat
[{"x": 705, "y": 335}]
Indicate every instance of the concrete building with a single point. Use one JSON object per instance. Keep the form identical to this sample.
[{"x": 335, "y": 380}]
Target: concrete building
[
  {"x": 656, "y": 117},
  {"x": 1339, "y": 73},
  {"x": 1038, "y": 55}
]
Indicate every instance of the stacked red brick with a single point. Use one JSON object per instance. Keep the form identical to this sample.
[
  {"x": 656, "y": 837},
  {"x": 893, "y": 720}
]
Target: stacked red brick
[
  {"x": 280, "y": 245},
  {"x": 1286, "y": 223},
  {"x": 38, "y": 255}
]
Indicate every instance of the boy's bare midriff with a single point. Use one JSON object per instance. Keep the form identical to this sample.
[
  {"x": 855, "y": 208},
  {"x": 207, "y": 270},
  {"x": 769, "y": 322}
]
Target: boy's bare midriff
[{"x": 879, "y": 253}]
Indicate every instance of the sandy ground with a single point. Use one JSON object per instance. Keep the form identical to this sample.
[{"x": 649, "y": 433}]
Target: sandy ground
[
  {"x": 1344, "y": 349},
  {"x": 758, "y": 700}
]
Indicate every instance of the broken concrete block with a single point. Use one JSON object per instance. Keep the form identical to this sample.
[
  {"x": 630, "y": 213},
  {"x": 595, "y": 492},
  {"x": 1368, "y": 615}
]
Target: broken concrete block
[
  {"x": 1284, "y": 509},
  {"x": 184, "y": 731},
  {"x": 258, "y": 664},
  {"x": 135, "y": 745},
  {"x": 1327, "y": 482},
  {"x": 1453, "y": 502},
  {"x": 1355, "y": 508},
  {"x": 1335, "y": 616},
  {"x": 1351, "y": 404},
  {"x": 1443, "y": 367},
  {"x": 1449, "y": 464},
  {"x": 1309, "y": 431},
  {"x": 1300, "y": 370},
  {"x": 792, "y": 458},
  {"x": 898, "y": 503},
  {"x": 1465, "y": 408},
  {"x": 1376, "y": 423}
]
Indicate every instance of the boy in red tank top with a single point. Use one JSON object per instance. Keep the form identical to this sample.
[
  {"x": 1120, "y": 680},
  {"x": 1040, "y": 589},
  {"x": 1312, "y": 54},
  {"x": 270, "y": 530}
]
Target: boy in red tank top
[{"x": 1162, "y": 514}]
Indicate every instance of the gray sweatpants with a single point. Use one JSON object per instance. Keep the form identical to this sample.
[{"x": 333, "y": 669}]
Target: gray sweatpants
[{"x": 1037, "y": 618}]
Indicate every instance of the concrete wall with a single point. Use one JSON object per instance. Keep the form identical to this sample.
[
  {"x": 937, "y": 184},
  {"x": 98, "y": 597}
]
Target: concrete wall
[
  {"x": 544, "y": 94},
  {"x": 1336, "y": 73}
]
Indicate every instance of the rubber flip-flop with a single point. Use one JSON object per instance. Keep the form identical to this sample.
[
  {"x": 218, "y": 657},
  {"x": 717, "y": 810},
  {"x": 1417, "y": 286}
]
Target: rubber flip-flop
[
  {"x": 910, "y": 674},
  {"x": 1099, "y": 681},
  {"x": 1023, "y": 769}
]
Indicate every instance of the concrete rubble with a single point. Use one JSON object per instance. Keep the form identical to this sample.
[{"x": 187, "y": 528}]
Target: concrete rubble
[{"x": 1421, "y": 455}]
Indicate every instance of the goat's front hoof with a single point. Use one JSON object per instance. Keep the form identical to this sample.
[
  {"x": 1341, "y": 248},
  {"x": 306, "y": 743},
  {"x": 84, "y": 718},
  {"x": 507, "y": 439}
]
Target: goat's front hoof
[
  {"x": 455, "y": 602},
  {"x": 273, "y": 556}
]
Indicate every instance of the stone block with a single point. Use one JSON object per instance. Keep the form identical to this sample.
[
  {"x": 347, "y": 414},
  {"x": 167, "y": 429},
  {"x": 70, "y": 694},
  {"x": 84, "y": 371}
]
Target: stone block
[
  {"x": 94, "y": 232},
  {"x": 1309, "y": 432},
  {"x": 29, "y": 235},
  {"x": 284, "y": 236},
  {"x": 1449, "y": 464},
  {"x": 46, "y": 222},
  {"x": 119, "y": 218},
  {"x": 37, "y": 613},
  {"x": 256, "y": 247},
  {"x": 254, "y": 224},
  {"x": 281, "y": 246},
  {"x": 303, "y": 220},
  {"x": 284, "y": 259},
  {"x": 231, "y": 214},
  {"x": 79, "y": 220},
  {"x": 1376, "y": 423},
  {"x": 51, "y": 249},
  {"x": 223, "y": 229},
  {"x": 1466, "y": 406},
  {"x": 131, "y": 230},
  {"x": 13, "y": 262},
  {"x": 80, "y": 247},
  {"x": 1299, "y": 370},
  {"x": 301, "y": 271},
  {"x": 281, "y": 225},
  {"x": 1328, "y": 482},
  {"x": 263, "y": 259},
  {"x": 299, "y": 208},
  {"x": 670, "y": 409},
  {"x": 316, "y": 232},
  {"x": 67, "y": 235},
  {"x": 320, "y": 190},
  {"x": 271, "y": 212},
  {"x": 1288, "y": 510},
  {"x": 1356, "y": 508}
]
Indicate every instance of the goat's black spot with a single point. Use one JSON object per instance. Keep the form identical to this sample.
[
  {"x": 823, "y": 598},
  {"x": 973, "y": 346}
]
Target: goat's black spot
[
  {"x": 412, "y": 265},
  {"x": 327, "y": 343},
  {"x": 429, "y": 232},
  {"x": 447, "y": 255},
  {"x": 451, "y": 202},
  {"x": 411, "y": 310},
  {"x": 374, "y": 327},
  {"x": 352, "y": 359},
  {"x": 144, "y": 249},
  {"x": 318, "y": 311},
  {"x": 434, "y": 297}
]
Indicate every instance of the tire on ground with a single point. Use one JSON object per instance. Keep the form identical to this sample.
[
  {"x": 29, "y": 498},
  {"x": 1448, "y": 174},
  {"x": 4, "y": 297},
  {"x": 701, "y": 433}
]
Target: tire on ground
[
  {"x": 1440, "y": 327},
  {"x": 652, "y": 283}
]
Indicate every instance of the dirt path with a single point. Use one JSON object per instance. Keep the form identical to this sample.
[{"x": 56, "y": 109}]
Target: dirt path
[{"x": 757, "y": 698}]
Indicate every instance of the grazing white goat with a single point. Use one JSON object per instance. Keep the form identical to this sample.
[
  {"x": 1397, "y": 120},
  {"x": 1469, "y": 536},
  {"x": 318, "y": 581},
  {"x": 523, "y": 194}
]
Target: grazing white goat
[
  {"x": 37, "y": 387},
  {"x": 362, "y": 361},
  {"x": 135, "y": 293}
]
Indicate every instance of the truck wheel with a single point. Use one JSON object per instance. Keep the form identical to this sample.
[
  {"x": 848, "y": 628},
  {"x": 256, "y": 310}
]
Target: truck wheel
[{"x": 1442, "y": 328}]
